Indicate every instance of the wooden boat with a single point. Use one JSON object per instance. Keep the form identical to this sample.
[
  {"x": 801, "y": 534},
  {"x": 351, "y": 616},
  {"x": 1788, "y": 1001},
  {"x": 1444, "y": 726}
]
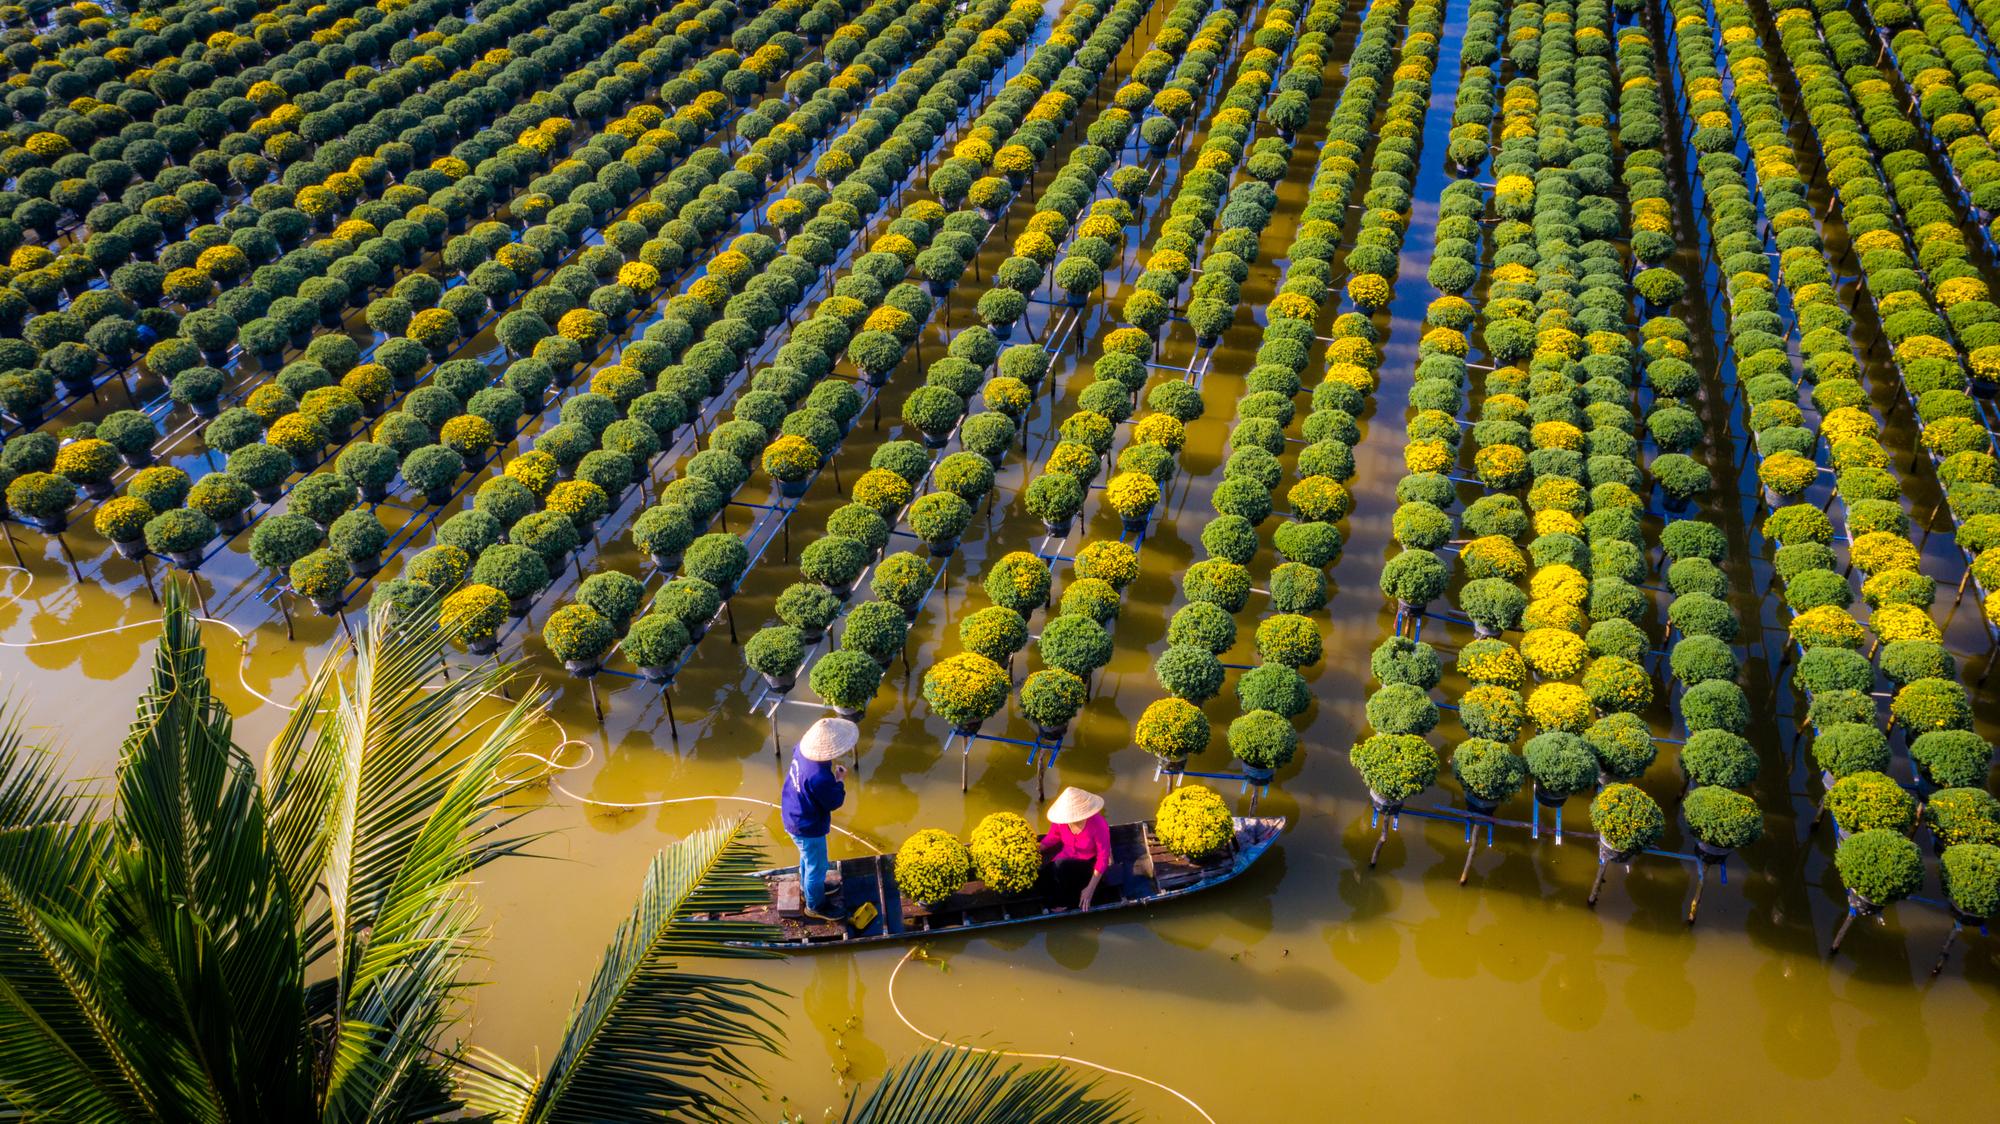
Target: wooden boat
[{"x": 1141, "y": 873}]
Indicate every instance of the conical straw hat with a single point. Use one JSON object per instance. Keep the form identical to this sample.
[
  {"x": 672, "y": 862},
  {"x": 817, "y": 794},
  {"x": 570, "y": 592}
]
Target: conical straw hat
[
  {"x": 829, "y": 739},
  {"x": 1074, "y": 805}
]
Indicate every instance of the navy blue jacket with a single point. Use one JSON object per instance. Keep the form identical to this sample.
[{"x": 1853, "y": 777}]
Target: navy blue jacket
[{"x": 811, "y": 794}]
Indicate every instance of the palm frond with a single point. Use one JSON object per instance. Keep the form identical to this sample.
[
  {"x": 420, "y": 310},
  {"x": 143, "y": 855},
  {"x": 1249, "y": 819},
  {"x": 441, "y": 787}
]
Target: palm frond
[
  {"x": 649, "y": 1039},
  {"x": 198, "y": 937},
  {"x": 392, "y": 743},
  {"x": 403, "y": 983},
  {"x": 299, "y": 786},
  {"x": 950, "y": 1085},
  {"x": 64, "y": 1053}
]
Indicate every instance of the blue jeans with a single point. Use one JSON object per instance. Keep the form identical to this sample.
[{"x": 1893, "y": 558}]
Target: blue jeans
[{"x": 812, "y": 869}]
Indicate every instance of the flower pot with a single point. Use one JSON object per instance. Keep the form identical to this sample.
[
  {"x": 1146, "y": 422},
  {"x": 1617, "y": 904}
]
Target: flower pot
[
  {"x": 667, "y": 561},
  {"x": 939, "y": 289},
  {"x": 583, "y": 669},
  {"x": 1606, "y": 853},
  {"x": 1173, "y": 766},
  {"x": 140, "y": 459},
  {"x": 1135, "y": 526},
  {"x": 271, "y": 360},
  {"x": 943, "y": 548},
  {"x": 1051, "y": 733},
  {"x": 304, "y": 462},
  {"x": 967, "y": 729},
  {"x": 1478, "y": 807},
  {"x": 794, "y": 489},
  {"x": 519, "y": 606},
  {"x": 781, "y": 682},
  {"x": 189, "y": 560},
  {"x": 661, "y": 675},
  {"x": 990, "y": 214},
  {"x": 366, "y": 567},
  {"x": 403, "y": 381},
  {"x": 440, "y": 494},
  {"x": 851, "y": 713},
  {"x": 1383, "y": 804},
  {"x": 1983, "y": 389},
  {"x": 1675, "y": 504},
  {"x": 1484, "y": 631},
  {"x": 28, "y": 416},
  {"x": 877, "y": 378},
  {"x": 1710, "y": 856},
  {"x": 1411, "y": 606},
  {"x": 1076, "y": 299},
  {"x": 268, "y": 494},
  {"x": 130, "y": 551},
  {"x": 1207, "y": 341},
  {"x": 78, "y": 384},
  {"x": 1256, "y": 775},
  {"x": 100, "y": 489},
  {"x": 482, "y": 645},
  {"x": 841, "y": 592},
  {"x": 812, "y": 635},
  {"x": 327, "y": 606},
  {"x": 1549, "y": 799},
  {"x": 206, "y": 408},
  {"x": 1059, "y": 529},
  {"x": 231, "y": 524},
  {"x": 936, "y": 440}
]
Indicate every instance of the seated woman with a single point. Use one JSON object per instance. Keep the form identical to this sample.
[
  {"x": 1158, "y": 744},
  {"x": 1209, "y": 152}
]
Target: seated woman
[{"x": 1077, "y": 847}]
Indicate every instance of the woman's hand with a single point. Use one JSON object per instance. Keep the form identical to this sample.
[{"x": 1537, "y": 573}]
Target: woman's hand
[{"x": 1089, "y": 889}]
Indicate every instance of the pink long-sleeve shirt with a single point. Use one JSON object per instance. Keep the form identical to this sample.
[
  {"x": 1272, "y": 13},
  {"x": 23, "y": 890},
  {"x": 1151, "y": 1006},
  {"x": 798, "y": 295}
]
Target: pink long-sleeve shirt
[{"x": 1088, "y": 842}]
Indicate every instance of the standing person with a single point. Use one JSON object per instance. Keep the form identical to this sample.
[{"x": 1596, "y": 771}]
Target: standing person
[
  {"x": 813, "y": 789},
  {"x": 1078, "y": 847}
]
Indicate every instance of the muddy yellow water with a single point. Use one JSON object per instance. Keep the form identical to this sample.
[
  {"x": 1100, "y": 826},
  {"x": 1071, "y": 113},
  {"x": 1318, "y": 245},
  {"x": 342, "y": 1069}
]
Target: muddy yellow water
[{"x": 1313, "y": 987}]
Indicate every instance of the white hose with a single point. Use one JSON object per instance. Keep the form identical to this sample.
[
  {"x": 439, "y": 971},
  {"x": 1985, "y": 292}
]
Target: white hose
[
  {"x": 1063, "y": 1058},
  {"x": 13, "y": 596},
  {"x": 555, "y": 765}
]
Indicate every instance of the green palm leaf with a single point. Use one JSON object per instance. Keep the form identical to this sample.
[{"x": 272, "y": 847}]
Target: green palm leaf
[
  {"x": 62, "y": 1054},
  {"x": 198, "y": 938},
  {"x": 954, "y": 1085},
  {"x": 650, "y": 1040}
]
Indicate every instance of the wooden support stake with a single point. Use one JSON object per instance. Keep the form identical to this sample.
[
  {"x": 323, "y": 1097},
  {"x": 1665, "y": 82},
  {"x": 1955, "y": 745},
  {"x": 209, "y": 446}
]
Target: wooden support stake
[
  {"x": 1597, "y": 884},
  {"x": 1945, "y": 952},
  {"x": 1471, "y": 848},
  {"x": 22, "y": 563},
  {"x": 596, "y": 705},
  {"x": 146, "y": 572},
  {"x": 1841, "y": 935},
  {"x": 1379, "y": 841},
  {"x": 75, "y": 570}
]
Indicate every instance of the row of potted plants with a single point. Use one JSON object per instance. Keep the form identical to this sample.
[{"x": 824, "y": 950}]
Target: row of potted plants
[
  {"x": 1715, "y": 760},
  {"x": 1396, "y": 767},
  {"x": 885, "y": 496},
  {"x": 1929, "y": 61},
  {"x": 279, "y": 215},
  {"x": 1262, "y": 737},
  {"x": 965, "y": 689},
  {"x": 768, "y": 653},
  {"x": 969, "y": 688},
  {"x": 299, "y": 426},
  {"x": 1837, "y": 679},
  {"x": 709, "y": 566},
  {"x": 593, "y": 442}
]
